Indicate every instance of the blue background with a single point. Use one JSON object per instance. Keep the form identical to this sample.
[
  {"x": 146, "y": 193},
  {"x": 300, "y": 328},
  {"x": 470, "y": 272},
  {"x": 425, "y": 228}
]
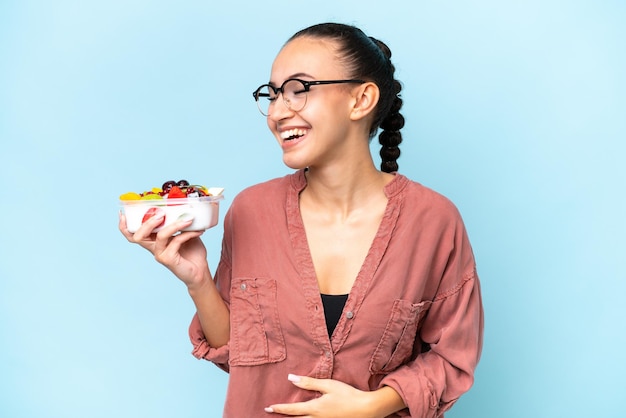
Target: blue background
[{"x": 515, "y": 110}]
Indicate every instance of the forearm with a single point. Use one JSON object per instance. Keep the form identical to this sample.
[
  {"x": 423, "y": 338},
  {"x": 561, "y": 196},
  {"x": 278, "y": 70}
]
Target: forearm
[
  {"x": 384, "y": 401},
  {"x": 212, "y": 311}
]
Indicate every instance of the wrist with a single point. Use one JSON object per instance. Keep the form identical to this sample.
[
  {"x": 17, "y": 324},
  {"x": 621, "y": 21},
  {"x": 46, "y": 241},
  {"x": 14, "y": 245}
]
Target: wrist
[{"x": 201, "y": 285}]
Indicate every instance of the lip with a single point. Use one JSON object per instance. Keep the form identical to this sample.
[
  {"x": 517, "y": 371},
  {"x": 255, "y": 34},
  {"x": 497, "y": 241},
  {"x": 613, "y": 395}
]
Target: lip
[{"x": 287, "y": 143}]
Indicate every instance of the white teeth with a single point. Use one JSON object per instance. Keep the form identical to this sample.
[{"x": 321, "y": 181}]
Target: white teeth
[{"x": 293, "y": 133}]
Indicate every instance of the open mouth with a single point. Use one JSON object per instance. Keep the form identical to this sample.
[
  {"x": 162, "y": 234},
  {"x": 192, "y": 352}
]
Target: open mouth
[{"x": 293, "y": 134}]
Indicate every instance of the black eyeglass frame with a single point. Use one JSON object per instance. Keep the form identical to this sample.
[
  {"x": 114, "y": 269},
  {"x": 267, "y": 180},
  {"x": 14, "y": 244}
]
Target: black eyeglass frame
[{"x": 307, "y": 87}]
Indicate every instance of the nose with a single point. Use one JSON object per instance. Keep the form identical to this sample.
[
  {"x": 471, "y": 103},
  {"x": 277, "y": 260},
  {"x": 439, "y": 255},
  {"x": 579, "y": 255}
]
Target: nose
[{"x": 278, "y": 109}]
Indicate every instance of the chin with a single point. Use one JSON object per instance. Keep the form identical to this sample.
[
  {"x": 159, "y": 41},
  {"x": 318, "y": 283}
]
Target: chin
[{"x": 295, "y": 165}]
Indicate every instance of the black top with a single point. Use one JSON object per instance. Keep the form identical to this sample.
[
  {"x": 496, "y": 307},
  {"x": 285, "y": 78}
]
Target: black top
[{"x": 333, "y": 306}]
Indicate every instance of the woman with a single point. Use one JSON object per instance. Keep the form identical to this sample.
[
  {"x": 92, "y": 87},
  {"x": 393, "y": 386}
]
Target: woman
[{"x": 342, "y": 290}]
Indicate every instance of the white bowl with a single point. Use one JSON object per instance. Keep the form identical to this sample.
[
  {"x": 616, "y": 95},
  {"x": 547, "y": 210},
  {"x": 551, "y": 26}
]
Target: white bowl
[{"x": 205, "y": 211}]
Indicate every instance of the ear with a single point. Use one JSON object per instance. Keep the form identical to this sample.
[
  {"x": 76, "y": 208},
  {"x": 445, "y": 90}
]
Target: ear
[{"x": 366, "y": 98}]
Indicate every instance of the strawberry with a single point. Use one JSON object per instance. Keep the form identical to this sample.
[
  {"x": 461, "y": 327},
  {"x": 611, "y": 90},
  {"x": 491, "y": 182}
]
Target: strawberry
[
  {"x": 150, "y": 213},
  {"x": 176, "y": 193}
]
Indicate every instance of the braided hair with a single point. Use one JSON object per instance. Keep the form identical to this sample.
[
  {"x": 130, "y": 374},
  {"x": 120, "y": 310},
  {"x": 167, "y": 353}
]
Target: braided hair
[{"x": 368, "y": 58}]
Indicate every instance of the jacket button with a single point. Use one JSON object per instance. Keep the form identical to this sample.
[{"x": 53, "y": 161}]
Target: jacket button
[{"x": 349, "y": 315}]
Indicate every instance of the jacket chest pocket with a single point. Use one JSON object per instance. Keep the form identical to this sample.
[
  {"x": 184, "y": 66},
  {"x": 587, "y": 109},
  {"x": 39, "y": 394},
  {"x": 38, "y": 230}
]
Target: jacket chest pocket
[
  {"x": 255, "y": 336},
  {"x": 396, "y": 346}
]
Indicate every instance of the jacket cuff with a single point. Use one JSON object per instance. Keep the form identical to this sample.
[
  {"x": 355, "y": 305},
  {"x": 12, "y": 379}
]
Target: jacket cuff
[
  {"x": 201, "y": 348},
  {"x": 425, "y": 405}
]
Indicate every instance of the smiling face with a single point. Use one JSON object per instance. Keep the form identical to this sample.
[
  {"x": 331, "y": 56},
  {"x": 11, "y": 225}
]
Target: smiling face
[{"x": 323, "y": 132}]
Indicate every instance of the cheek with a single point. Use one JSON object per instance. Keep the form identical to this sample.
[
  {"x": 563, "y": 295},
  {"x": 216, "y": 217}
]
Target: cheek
[
  {"x": 325, "y": 116},
  {"x": 333, "y": 106}
]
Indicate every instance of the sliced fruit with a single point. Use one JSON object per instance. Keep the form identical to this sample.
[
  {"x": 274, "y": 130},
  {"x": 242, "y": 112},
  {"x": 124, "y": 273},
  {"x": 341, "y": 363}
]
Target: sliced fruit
[
  {"x": 174, "y": 190},
  {"x": 176, "y": 193},
  {"x": 151, "y": 212},
  {"x": 130, "y": 196},
  {"x": 152, "y": 196}
]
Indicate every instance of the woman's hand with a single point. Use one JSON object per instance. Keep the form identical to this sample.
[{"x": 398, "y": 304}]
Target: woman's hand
[
  {"x": 339, "y": 400},
  {"x": 181, "y": 252}
]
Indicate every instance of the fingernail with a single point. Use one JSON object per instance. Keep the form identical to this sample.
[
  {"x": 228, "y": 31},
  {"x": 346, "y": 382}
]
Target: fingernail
[
  {"x": 293, "y": 378},
  {"x": 269, "y": 410},
  {"x": 185, "y": 217}
]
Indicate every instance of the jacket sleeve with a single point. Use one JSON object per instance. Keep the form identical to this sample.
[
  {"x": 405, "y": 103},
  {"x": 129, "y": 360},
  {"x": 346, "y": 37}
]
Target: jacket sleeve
[
  {"x": 452, "y": 334},
  {"x": 222, "y": 278}
]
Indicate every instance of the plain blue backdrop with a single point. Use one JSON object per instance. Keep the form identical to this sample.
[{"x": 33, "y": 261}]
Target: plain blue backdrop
[{"x": 515, "y": 110}]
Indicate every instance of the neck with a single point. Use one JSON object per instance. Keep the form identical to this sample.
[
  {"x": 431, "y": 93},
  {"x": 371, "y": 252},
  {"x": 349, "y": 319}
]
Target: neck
[{"x": 341, "y": 190}]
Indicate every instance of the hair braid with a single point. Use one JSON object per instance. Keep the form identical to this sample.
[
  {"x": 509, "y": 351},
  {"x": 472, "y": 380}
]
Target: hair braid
[{"x": 390, "y": 137}]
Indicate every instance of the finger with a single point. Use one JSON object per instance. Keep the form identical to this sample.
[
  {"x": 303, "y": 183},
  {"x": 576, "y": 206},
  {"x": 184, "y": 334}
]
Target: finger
[
  {"x": 310, "y": 383},
  {"x": 171, "y": 249},
  {"x": 297, "y": 409},
  {"x": 170, "y": 239},
  {"x": 167, "y": 232},
  {"x": 135, "y": 238},
  {"x": 148, "y": 226},
  {"x": 123, "y": 227},
  {"x": 181, "y": 223}
]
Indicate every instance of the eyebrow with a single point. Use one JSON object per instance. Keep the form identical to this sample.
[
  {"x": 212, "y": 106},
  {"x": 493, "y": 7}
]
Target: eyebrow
[{"x": 296, "y": 75}]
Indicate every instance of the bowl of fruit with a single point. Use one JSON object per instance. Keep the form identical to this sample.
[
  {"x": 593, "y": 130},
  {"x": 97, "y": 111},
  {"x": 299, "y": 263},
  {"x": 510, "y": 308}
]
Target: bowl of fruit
[{"x": 179, "y": 200}]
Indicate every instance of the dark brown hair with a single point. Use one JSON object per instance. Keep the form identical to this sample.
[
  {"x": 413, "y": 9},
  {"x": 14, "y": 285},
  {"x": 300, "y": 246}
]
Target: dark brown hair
[{"x": 367, "y": 58}]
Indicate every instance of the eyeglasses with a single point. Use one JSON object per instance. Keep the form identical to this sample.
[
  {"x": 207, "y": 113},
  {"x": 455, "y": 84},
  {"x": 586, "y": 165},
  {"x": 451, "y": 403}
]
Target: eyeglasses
[{"x": 294, "y": 93}]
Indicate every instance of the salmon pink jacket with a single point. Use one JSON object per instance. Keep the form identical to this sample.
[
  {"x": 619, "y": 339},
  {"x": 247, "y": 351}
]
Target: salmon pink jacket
[{"x": 413, "y": 319}]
